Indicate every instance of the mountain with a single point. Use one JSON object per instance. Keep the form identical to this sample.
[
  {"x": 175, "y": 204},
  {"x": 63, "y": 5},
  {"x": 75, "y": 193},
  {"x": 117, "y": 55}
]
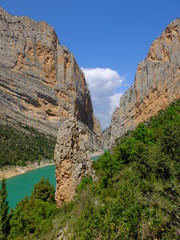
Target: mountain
[
  {"x": 156, "y": 85},
  {"x": 41, "y": 84}
]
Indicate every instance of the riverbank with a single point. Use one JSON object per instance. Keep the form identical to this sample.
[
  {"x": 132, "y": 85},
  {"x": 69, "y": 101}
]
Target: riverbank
[
  {"x": 94, "y": 154},
  {"x": 12, "y": 171}
]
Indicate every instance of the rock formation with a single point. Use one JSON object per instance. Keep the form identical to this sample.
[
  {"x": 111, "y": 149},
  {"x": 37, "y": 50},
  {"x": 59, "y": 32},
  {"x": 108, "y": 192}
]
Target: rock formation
[
  {"x": 156, "y": 85},
  {"x": 41, "y": 84},
  {"x": 106, "y": 135},
  {"x": 71, "y": 159}
]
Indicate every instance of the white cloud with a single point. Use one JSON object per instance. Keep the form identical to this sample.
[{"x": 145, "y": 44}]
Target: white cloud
[
  {"x": 115, "y": 101},
  {"x": 103, "y": 84}
]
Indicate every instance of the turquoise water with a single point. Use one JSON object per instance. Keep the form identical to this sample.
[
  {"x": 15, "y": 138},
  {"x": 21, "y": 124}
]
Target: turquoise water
[
  {"x": 20, "y": 186},
  {"x": 95, "y": 158}
]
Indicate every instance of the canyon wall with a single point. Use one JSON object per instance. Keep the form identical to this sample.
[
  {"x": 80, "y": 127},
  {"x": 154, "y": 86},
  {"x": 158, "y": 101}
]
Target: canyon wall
[
  {"x": 41, "y": 84},
  {"x": 156, "y": 85}
]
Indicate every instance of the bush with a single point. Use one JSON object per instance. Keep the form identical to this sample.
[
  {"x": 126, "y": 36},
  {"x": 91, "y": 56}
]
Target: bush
[
  {"x": 33, "y": 216},
  {"x": 136, "y": 195}
]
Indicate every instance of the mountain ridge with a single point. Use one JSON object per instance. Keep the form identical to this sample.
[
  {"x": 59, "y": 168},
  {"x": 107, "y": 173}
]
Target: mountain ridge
[
  {"x": 41, "y": 84},
  {"x": 156, "y": 84}
]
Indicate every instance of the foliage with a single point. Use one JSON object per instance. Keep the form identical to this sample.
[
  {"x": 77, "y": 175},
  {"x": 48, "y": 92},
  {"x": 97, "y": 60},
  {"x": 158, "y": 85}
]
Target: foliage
[
  {"x": 44, "y": 191},
  {"x": 34, "y": 215},
  {"x": 170, "y": 141},
  {"x": 106, "y": 166},
  {"x": 168, "y": 117},
  {"x": 143, "y": 134},
  {"x": 85, "y": 181},
  {"x": 4, "y": 215},
  {"x": 136, "y": 195},
  {"x": 18, "y": 148}
]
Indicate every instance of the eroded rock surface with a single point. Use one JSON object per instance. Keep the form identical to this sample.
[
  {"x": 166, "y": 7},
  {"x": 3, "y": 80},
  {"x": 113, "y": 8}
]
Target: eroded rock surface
[
  {"x": 156, "y": 85},
  {"x": 72, "y": 160},
  {"x": 41, "y": 84}
]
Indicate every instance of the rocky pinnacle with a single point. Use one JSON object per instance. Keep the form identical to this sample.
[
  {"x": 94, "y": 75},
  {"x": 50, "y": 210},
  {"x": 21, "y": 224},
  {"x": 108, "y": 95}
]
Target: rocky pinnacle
[{"x": 71, "y": 159}]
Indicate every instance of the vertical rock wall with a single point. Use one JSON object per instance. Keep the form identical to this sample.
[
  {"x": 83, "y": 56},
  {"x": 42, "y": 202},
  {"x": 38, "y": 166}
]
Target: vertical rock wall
[
  {"x": 156, "y": 85},
  {"x": 41, "y": 84}
]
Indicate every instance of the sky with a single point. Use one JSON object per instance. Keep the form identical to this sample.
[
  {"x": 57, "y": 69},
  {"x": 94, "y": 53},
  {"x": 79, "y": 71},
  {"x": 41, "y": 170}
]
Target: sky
[{"x": 107, "y": 37}]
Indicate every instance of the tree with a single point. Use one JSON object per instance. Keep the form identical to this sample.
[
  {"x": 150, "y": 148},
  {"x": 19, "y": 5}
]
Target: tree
[
  {"x": 33, "y": 215},
  {"x": 171, "y": 141},
  {"x": 44, "y": 191},
  {"x": 143, "y": 134},
  {"x": 4, "y": 208}
]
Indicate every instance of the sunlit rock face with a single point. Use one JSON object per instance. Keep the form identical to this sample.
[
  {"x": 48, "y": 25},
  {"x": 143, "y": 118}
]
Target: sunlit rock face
[
  {"x": 72, "y": 160},
  {"x": 41, "y": 84},
  {"x": 156, "y": 85}
]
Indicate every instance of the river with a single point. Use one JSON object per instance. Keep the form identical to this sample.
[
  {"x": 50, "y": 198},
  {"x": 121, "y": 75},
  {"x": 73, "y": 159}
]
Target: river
[{"x": 20, "y": 186}]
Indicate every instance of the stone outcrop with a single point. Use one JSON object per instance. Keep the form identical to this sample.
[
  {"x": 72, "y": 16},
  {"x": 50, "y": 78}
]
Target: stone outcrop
[
  {"x": 106, "y": 135},
  {"x": 72, "y": 160},
  {"x": 156, "y": 85},
  {"x": 41, "y": 84}
]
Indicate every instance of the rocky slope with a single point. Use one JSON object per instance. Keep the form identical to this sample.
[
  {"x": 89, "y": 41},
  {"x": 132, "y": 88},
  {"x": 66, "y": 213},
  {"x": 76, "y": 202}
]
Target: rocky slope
[
  {"x": 106, "y": 136},
  {"x": 41, "y": 84},
  {"x": 72, "y": 160},
  {"x": 156, "y": 85}
]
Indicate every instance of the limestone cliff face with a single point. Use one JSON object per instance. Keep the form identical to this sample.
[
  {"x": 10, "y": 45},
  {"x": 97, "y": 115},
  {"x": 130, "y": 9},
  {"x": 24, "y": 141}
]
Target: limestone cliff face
[
  {"x": 156, "y": 85},
  {"x": 106, "y": 136},
  {"x": 71, "y": 159},
  {"x": 41, "y": 84}
]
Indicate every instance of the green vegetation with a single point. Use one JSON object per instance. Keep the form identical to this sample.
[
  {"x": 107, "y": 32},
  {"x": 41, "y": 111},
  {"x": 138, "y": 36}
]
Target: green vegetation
[
  {"x": 33, "y": 216},
  {"x": 4, "y": 215},
  {"x": 136, "y": 195},
  {"x": 18, "y": 148}
]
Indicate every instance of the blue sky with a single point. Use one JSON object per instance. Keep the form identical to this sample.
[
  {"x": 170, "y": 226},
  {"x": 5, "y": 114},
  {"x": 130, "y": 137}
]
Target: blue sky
[{"x": 108, "y": 38}]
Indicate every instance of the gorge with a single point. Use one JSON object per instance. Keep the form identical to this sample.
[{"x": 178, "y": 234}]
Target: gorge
[
  {"x": 41, "y": 84},
  {"x": 44, "y": 96}
]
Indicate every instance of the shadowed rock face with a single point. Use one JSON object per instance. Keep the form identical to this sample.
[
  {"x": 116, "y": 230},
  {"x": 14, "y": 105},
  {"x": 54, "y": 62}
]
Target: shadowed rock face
[
  {"x": 156, "y": 85},
  {"x": 71, "y": 159},
  {"x": 41, "y": 84}
]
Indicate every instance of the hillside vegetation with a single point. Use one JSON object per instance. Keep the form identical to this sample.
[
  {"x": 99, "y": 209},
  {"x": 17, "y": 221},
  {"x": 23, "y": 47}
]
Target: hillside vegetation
[
  {"x": 18, "y": 148},
  {"x": 136, "y": 195}
]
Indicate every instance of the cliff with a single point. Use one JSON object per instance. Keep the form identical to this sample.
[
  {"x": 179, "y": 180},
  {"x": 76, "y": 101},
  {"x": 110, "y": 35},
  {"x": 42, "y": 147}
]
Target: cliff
[
  {"x": 41, "y": 84},
  {"x": 156, "y": 85},
  {"x": 72, "y": 160}
]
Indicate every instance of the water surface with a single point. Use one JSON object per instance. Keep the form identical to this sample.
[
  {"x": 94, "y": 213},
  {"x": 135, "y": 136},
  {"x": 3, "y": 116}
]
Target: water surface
[{"x": 20, "y": 186}]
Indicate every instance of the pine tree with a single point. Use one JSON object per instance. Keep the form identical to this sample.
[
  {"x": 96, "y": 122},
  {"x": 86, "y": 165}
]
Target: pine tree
[{"x": 4, "y": 208}]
